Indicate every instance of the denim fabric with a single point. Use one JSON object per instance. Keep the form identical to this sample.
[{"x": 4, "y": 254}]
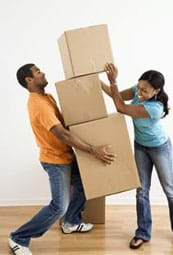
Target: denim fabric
[
  {"x": 146, "y": 158},
  {"x": 63, "y": 203}
]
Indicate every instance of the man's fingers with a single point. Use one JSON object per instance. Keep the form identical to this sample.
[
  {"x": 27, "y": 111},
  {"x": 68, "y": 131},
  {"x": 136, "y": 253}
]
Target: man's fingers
[
  {"x": 110, "y": 158},
  {"x": 106, "y": 162},
  {"x": 111, "y": 155}
]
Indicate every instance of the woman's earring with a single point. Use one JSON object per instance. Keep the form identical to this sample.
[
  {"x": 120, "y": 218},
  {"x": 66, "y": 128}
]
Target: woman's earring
[{"x": 155, "y": 97}]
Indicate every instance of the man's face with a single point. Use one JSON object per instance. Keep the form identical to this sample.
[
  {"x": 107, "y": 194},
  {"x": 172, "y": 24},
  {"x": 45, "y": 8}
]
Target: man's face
[{"x": 39, "y": 79}]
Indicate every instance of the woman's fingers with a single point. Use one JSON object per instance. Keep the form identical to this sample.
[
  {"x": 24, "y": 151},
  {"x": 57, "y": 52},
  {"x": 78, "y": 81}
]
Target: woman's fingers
[
  {"x": 113, "y": 67},
  {"x": 110, "y": 67}
]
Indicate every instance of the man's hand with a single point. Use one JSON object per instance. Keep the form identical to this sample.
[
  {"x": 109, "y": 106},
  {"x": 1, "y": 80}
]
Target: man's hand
[
  {"x": 112, "y": 72},
  {"x": 102, "y": 153}
]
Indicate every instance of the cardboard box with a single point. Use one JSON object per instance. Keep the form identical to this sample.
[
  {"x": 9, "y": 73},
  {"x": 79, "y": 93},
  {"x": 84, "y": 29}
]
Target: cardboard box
[
  {"x": 85, "y": 50},
  {"x": 81, "y": 99},
  {"x": 95, "y": 211},
  {"x": 98, "y": 179}
]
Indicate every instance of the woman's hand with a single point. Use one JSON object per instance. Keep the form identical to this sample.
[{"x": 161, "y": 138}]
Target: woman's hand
[{"x": 112, "y": 72}]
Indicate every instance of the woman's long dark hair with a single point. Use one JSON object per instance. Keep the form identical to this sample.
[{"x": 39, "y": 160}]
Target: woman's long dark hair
[{"x": 157, "y": 81}]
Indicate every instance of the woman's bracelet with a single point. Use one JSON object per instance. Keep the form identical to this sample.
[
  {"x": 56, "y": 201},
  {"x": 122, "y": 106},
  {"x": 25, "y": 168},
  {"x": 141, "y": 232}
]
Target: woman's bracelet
[{"x": 114, "y": 84}]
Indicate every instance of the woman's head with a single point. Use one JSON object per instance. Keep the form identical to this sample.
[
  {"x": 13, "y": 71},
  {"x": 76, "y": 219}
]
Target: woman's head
[{"x": 151, "y": 86}]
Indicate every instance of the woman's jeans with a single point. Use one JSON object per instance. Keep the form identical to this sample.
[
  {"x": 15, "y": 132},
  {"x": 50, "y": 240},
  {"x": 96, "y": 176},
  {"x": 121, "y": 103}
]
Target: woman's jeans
[
  {"x": 146, "y": 158},
  {"x": 62, "y": 178}
]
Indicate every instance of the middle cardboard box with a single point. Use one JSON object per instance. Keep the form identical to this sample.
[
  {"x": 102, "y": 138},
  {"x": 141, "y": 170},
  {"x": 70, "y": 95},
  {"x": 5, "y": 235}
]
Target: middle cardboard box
[
  {"x": 81, "y": 99},
  {"x": 100, "y": 180}
]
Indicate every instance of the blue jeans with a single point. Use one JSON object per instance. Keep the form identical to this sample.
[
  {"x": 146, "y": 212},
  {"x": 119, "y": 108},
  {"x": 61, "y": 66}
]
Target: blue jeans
[
  {"x": 64, "y": 202},
  {"x": 146, "y": 158}
]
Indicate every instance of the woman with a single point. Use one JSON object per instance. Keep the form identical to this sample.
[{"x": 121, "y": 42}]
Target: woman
[{"x": 152, "y": 146}]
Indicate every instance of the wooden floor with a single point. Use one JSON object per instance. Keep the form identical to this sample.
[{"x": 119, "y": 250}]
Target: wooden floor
[{"x": 109, "y": 239}]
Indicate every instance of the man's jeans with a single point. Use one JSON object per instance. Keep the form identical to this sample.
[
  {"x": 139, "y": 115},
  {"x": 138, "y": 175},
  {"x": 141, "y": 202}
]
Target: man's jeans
[
  {"x": 146, "y": 158},
  {"x": 62, "y": 178}
]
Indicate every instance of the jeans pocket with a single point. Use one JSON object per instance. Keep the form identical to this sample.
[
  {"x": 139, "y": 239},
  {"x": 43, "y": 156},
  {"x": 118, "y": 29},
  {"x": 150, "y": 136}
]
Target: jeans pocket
[{"x": 165, "y": 147}]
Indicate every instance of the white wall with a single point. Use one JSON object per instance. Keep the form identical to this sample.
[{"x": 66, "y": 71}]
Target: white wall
[{"x": 141, "y": 37}]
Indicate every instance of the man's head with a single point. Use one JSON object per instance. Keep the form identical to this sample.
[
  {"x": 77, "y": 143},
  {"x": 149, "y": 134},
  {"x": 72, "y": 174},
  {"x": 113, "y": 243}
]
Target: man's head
[{"x": 31, "y": 78}]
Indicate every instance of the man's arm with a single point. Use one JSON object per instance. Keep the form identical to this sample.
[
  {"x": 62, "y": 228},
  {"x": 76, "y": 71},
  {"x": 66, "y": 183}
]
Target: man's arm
[
  {"x": 126, "y": 94},
  {"x": 100, "y": 152}
]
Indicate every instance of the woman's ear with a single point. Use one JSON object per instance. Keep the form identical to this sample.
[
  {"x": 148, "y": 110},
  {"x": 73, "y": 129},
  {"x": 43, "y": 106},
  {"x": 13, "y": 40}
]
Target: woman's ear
[{"x": 157, "y": 91}]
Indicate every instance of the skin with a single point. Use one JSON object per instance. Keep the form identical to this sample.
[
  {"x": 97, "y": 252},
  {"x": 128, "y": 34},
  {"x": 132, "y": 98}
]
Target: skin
[
  {"x": 144, "y": 89},
  {"x": 37, "y": 83}
]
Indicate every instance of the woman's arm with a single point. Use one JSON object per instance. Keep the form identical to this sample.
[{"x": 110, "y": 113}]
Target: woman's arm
[
  {"x": 106, "y": 88},
  {"x": 126, "y": 94},
  {"x": 136, "y": 111}
]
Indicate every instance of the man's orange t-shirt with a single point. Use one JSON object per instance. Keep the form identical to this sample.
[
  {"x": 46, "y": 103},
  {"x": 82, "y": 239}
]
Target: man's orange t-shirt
[{"x": 44, "y": 115}]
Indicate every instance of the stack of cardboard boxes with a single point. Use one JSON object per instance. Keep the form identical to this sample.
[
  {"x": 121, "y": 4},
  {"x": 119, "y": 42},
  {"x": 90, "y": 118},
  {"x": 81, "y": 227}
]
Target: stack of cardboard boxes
[{"x": 84, "y": 54}]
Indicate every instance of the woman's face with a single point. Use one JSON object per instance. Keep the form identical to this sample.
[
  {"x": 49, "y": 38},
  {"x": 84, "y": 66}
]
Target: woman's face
[{"x": 145, "y": 91}]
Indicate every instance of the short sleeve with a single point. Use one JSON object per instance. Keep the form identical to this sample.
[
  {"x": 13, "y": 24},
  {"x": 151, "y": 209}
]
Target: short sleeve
[
  {"x": 154, "y": 109},
  {"x": 134, "y": 89},
  {"x": 46, "y": 116}
]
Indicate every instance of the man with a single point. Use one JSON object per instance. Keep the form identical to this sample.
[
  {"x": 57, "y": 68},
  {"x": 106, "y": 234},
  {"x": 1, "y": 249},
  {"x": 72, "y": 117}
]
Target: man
[{"x": 57, "y": 159}]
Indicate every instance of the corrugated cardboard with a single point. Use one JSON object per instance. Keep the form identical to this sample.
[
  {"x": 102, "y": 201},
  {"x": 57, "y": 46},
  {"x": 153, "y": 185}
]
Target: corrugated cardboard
[
  {"x": 95, "y": 211},
  {"x": 81, "y": 99},
  {"x": 98, "y": 179},
  {"x": 85, "y": 50}
]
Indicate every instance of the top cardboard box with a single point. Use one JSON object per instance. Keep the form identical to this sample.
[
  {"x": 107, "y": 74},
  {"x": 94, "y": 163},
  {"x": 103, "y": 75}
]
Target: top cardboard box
[{"x": 85, "y": 50}]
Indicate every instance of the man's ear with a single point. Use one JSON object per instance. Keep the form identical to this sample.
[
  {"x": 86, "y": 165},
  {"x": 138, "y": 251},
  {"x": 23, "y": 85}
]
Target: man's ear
[{"x": 28, "y": 79}]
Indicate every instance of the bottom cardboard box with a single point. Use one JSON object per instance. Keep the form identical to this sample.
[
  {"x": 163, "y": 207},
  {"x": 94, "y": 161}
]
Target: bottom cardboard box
[{"x": 100, "y": 180}]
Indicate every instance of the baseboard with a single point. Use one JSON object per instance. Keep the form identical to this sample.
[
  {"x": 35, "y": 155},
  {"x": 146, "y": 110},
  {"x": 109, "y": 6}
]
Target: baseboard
[
  {"x": 26, "y": 202},
  {"x": 109, "y": 201},
  {"x": 132, "y": 201}
]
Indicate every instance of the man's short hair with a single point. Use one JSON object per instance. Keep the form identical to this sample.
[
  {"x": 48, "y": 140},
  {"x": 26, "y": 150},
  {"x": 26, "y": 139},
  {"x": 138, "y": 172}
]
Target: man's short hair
[{"x": 23, "y": 72}]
